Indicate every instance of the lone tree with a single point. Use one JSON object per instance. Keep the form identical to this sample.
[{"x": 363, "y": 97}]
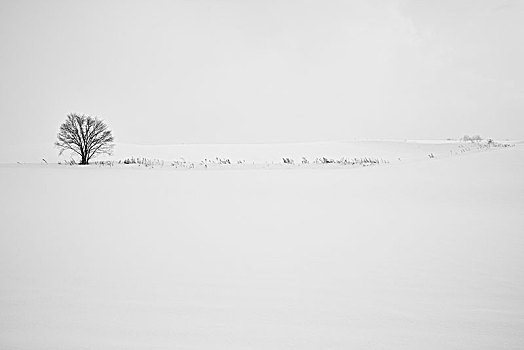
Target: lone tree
[{"x": 85, "y": 136}]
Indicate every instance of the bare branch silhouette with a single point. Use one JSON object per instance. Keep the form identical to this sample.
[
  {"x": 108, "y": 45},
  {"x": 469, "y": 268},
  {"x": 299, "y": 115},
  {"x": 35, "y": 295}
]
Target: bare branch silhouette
[{"x": 85, "y": 136}]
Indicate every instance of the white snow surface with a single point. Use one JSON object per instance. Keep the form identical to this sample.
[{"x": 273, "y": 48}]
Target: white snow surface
[{"x": 427, "y": 254}]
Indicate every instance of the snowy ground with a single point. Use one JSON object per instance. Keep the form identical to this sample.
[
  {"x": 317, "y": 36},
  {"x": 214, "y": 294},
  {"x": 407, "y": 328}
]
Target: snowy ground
[{"x": 423, "y": 254}]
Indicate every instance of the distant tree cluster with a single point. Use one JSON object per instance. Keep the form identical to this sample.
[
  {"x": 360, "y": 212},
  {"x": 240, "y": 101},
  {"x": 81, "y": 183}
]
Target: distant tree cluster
[
  {"x": 474, "y": 138},
  {"x": 85, "y": 136}
]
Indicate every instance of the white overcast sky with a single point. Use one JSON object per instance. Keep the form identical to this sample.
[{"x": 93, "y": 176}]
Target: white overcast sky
[{"x": 233, "y": 71}]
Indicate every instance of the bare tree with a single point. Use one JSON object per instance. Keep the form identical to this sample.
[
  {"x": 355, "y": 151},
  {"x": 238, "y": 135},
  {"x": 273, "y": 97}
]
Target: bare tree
[{"x": 84, "y": 135}]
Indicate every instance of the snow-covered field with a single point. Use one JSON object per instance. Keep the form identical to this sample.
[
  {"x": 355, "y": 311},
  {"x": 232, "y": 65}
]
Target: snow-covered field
[{"x": 416, "y": 254}]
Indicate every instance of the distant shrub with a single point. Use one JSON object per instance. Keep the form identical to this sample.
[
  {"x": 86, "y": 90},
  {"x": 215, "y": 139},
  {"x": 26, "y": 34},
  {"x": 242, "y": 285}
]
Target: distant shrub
[
  {"x": 474, "y": 138},
  {"x": 142, "y": 161}
]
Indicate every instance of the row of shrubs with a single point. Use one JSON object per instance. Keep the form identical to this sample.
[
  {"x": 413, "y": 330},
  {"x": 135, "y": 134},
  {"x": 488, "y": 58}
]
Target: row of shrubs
[
  {"x": 365, "y": 161},
  {"x": 342, "y": 161},
  {"x": 148, "y": 162}
]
